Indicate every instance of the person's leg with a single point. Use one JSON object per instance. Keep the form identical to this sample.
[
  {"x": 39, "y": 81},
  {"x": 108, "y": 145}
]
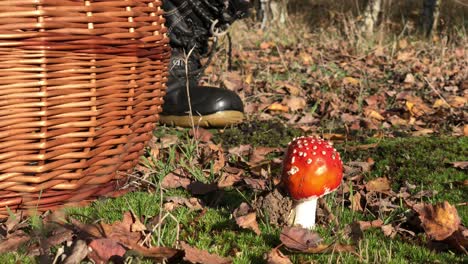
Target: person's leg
[{"x": 190, "y": 24}]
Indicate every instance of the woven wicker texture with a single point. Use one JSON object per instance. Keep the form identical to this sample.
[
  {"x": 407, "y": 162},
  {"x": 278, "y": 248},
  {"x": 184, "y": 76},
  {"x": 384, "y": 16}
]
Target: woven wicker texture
[{"x": 81, "y": 86}]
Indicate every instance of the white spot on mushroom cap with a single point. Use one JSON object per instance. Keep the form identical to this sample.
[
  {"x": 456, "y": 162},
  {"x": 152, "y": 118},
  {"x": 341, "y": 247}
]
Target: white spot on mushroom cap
[
  {"x": 293, "y": 170},
  {"x": 309, "y": 161},
  {"x": 315, "y": 147},
  {"x": 324, "y": 152},
  {"x": 293, "y": 159},
  {"x": 320, "y": 170}
]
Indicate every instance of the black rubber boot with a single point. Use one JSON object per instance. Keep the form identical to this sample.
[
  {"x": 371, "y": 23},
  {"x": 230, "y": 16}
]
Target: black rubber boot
[{"x": 191, "y": 23}]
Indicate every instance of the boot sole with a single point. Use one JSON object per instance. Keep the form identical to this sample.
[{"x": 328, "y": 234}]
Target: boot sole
[{"x": 218, "y": 119}]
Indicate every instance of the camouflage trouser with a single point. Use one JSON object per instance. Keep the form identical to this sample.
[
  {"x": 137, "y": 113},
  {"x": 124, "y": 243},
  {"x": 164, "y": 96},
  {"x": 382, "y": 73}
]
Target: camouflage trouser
[{"x": 192, "y": 22}]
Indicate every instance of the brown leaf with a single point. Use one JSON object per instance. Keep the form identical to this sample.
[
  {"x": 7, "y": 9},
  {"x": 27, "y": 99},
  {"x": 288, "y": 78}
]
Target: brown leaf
[
  {"x": 230, "y": 177},
  {"x": 364, "y": 166},
  {"x": 460, "y": 164},
  {"x": 276, "y": 257},
  {"x": 409, "y": 79},
  {"x": 356, "y": 202},
  {"x": 388, "y": 231},
  {"x": 378, "y": 185},
  {"x": 299, "y": 238},
  {"x": 374, "y": 114},
  {"x": 422, "y": 132},
  {"x": 458, "y": 241},
  {"x": 249, "y": 221},
  {"x": 457, "y": 101},
  {"x": 278, "y": 107},
  {"x": 194, "y": 255},
  {"x": 59, "y": 235},
  {"x": 201, "y": 134},
  {"x": 137, "y": 226},
  {"x": 259, "y": 153},
  {"x": 331, "y": 248},
  {"x": 14, "y": 241},
  {"x": 351, "y": 81},
  {"x": 175, "y": 180},
  {"x": 246, "y": 219},
  {"x": 241, "y": 150},
  {"x": 120, "y": 232},
  {"x": 295, "y": 103},
  {"x": 105, "y": 250},
  {"x": 10, "y": 225},
  {"x": 439, "y": 221},
  {"x": 78, "y": 252},
  {"x": 257, "y": 184},
  {"x": 191, "y": 203},
  {"x": 167, "y": 141},
  {"x": 362, "y": 147},
  {"x": 292, "y": 89}
]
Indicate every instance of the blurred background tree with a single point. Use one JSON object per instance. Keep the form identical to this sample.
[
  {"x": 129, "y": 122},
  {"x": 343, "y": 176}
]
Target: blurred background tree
[{"x": 428, "y": 18}]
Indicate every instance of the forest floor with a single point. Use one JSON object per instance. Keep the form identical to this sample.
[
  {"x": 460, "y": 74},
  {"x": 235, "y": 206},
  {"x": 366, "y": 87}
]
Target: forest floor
[{"x": 395, "y": 109}]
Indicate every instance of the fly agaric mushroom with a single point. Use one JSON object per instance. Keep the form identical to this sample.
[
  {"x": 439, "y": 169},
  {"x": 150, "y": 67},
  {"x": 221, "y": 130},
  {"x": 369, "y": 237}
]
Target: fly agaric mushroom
[{"x": 312, "y": 168}]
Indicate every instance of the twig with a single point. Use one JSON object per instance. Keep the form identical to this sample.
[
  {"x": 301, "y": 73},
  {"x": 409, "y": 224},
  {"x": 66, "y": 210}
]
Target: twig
[{"x": 435, "y": 91}]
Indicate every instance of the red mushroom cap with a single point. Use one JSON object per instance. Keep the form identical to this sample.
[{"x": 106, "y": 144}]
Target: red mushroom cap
[{"x": 311, "y": 168}]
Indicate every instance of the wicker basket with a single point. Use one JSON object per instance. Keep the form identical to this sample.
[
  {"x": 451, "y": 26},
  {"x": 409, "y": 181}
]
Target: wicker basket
[{"x": 81, "y": 86}]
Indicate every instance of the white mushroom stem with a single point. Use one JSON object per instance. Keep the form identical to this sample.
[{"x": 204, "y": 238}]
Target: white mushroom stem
[{"x": 305, "y": 213}]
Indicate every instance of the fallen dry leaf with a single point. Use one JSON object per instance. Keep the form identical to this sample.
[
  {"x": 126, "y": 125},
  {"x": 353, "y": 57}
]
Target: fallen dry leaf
[
  {"x": 120, "y": 231},
  {"x": 241, "y": 150},
  {"x": 104, "y": 250},
  {"x": 14, "y": 241},
  {"x": 299, "y": 238},
  {"x": 245, "y": 218},
  {"x": 439, "y": 221},
  {"x": 356, "y": 202},
  {"x": 79, "y": 252},
  {"x": 388, "y": 231},
  {"x": 201, "y": 134},
  {"x": 259, "y": 153},
  {"x": 460, "y": 164},
  {"x": 137, "y": 226},
  {"x": 278, "y": 107},
  {"x": 257, "y": 184},
  {"x": 175, "y": 179},
  {"x": 230, "y": 177},
  {"x": 249, "y": 221},
  {"x": 194, "y": 255},
  {"x": 378, "y": 185},
  {"x": 331, "y": 248},
  {"x": 409, "y": 79},
  {"x": 458, "y": 241},
  {"x": 174, "y": 202},
  {"x": 295, "y": 103},
  {"x": 167, "y": 141},
  {"x": 422, "y": 132},
  {"x": 351, "y": 81},
  {"x": 276, "y": 257}
]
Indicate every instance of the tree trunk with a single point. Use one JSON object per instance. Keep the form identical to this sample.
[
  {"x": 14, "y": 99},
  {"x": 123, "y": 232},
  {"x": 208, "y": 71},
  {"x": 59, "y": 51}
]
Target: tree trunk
[
  {"x": 371, "y": 15},
  {"x": 430, "y": 16},
  {"x": 272, "y": 11}
]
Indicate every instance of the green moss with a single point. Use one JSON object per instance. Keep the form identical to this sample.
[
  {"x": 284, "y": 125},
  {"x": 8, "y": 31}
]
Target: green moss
[
  {"x": 257, "y": 133},
  {"x": 421, "y": 161}
]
